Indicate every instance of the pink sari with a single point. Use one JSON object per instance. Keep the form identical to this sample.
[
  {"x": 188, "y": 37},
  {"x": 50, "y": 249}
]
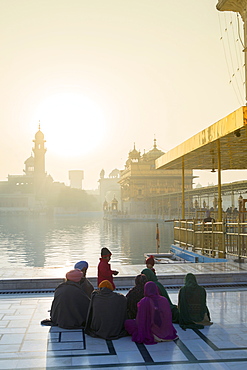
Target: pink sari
[{"x": 154, "y": 318}]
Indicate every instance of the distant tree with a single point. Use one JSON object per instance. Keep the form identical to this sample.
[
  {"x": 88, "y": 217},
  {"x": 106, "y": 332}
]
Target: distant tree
[{"x": 77, "y": 199}]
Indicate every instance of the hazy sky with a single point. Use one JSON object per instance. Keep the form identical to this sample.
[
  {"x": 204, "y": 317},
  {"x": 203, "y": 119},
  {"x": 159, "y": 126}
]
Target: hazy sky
[{"x": 102, "y": 75}]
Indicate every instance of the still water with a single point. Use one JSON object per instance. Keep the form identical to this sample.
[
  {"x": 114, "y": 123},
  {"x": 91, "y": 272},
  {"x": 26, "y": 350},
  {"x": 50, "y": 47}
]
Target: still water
[{"x": 62, "y": 241}]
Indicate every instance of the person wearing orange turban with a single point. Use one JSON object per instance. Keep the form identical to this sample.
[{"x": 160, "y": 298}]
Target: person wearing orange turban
[
  {"x": 107, "y": 313},
  {"x": 106, "y": 284}
]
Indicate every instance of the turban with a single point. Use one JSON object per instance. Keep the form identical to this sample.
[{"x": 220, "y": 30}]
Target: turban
[
  {"x": 81, "y": 265},
  {"x": 106, "y": 284},
  {"x": 74, "y": 275},
  {"x": 150, "y": 261}
]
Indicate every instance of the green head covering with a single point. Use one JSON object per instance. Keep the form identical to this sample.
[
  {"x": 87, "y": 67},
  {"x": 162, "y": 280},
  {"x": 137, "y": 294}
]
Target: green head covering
[
  {"x": 190, "y": 281},
  {"x": 152, "y": 277},
  {"x": 149, "y": 274},
  {"x": 192, "y": 304}
]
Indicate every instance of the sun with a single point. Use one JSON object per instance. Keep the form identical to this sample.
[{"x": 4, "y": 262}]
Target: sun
[{"x": 73, "y": 125}]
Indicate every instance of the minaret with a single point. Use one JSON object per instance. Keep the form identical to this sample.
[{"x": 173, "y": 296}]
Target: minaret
[{"x": 39, "y": 154}]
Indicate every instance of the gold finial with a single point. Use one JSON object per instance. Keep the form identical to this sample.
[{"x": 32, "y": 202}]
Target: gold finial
[
  {"x": 39, "y": 124},
  {"x": 155, "y": 145}
]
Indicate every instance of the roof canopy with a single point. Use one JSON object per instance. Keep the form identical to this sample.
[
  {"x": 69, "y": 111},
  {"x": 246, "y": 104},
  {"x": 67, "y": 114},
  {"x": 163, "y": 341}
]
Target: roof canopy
[{"x": 200, "y": 151}]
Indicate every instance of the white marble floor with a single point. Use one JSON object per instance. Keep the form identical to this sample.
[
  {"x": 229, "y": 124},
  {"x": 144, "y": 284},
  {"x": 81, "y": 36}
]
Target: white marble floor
[
  {"x": 25, "y": 344},
  {"x": 215, "y": 268}
]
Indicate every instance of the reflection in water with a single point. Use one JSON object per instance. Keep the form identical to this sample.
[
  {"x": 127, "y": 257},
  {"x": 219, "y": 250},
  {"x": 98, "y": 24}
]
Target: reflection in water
[{"x": 46, "y": 242}]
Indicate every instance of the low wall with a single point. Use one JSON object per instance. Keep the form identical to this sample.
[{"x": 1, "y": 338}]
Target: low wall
[{"x": 168, "y": 280}]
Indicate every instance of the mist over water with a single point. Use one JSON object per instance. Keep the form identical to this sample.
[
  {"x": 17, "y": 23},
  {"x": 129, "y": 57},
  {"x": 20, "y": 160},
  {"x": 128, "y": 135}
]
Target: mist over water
[{"x": 62, "y": 241}]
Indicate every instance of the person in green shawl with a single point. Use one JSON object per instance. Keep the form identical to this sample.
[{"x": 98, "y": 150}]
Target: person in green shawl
[
  {"x": 193, "y": 311},
  {"x": 152, "y": 277}
]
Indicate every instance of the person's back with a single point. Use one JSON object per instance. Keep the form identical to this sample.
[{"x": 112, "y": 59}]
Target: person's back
[
  {"x": 134, "y": 295},
  {"x": 162, "y": 291},
  {"x": 107, "y": 313},
  {"x": 193, "y": 310},
  {"x": 154, "y": 318},
  {"x": 70, "y": 304},
  {"x": 85, "y": 284}
]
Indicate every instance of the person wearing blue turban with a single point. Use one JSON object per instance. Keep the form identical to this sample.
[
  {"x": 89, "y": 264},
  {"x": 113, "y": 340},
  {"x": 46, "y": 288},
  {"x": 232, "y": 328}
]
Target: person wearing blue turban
[{"x": 85, "y": 284}]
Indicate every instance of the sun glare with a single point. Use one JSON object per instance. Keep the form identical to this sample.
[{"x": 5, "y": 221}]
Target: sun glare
[{"x": 73, "y": 125}]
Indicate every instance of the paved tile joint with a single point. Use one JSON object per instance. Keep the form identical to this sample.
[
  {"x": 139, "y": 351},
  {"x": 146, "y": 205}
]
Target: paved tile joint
[{"x": 25, "y": 344}]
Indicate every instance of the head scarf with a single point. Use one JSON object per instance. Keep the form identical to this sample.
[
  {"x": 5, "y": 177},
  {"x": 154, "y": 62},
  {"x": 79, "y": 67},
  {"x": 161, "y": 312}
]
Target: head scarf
[
  {"x": 106, "y": 284},
  {"x": 105, "y": 252},
  {"x": 74, "y": 275},
  {"x": 190, "y": 281},
  {"x": 152, "y": 277},
  {"x": 150, "y": 261},
  {"x": 192, "y": 303},
  {"x": 149, "y": 274},
  {"x": 81, "y": 265},
  {"x": 154, "y": 317},
  {"x": 140, "y": 281},
  {"x": 151, "y": 291},
  {"x": 135, "y": 294}
]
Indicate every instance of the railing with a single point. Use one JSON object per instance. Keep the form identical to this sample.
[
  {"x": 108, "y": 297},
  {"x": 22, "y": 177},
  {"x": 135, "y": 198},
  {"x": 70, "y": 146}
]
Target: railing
[{"x": 213, "y": 239}]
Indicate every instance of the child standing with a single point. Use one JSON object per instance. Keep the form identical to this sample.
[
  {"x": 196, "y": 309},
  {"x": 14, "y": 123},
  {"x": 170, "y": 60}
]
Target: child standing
[
  {"x": 150, "y": 263},
  {"x": 104, "y": 268}
]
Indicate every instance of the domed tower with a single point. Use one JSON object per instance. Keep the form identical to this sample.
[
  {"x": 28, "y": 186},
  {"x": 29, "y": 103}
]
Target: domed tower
[
  {"x": 29, "y": 166},
  {"x": 114, "y": 204},
  {"x": 154, "y": 153},
  {"x": 39, "y": 154},
  {"x": 134, "y": 156}
]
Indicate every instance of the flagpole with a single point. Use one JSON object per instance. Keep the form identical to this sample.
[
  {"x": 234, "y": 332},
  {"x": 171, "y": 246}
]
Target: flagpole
[{"x": 157, "y": 238}]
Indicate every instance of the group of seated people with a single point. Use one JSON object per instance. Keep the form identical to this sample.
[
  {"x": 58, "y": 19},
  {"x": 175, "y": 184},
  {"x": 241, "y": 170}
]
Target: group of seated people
[{"x": 146, "y": 312}]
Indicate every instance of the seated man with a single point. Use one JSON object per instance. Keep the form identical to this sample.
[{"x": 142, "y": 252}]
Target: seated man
[
  {"x": 85, "y": 284},
  {"x": 70, "y": 304},
  {"x": 107, "y": 313}
]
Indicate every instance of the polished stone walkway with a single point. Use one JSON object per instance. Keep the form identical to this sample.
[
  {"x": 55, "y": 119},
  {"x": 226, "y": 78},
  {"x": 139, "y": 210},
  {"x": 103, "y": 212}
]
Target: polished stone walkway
[
  {"x": 125, "y": 270},
  {"x": 168, "y": 274},
  {"x": 25, "y": 344}
]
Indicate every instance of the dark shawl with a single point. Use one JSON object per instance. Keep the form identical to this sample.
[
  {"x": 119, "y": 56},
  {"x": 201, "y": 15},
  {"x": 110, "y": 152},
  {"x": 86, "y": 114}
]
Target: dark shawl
[
  {"x": 86, "y": 286},
  {"x": 152, "y": 277},
  {"x": 192, "y": 304},
  {"x": 70, "y": 305},
  {"x": 134, "y": 295},
  {"x": 107, "y": 314}
]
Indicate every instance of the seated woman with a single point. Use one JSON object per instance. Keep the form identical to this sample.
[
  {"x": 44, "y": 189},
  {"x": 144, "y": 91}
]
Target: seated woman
[
  {"x": 70, "y": 304},
  {"x": 134, "y": 295},
  {"x": 107, "y": 313},
  {"x": 153, "y": 322},
  {"x": 162, "y": 291},
  {"x": 193, "y": 311}
]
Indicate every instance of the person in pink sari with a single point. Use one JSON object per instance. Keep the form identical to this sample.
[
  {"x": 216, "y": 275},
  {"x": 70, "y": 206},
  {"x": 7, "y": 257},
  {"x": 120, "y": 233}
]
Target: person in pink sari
[{"x": 153, "y": 322}]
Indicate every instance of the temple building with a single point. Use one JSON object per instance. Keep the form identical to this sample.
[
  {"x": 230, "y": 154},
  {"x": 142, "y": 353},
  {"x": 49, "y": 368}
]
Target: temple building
[
  {"x": 140, "y": 182},
  {"x": 27, "y": 192},
  {"x": 109, "y": 189},
  {"x": 34, "y": 192}
]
